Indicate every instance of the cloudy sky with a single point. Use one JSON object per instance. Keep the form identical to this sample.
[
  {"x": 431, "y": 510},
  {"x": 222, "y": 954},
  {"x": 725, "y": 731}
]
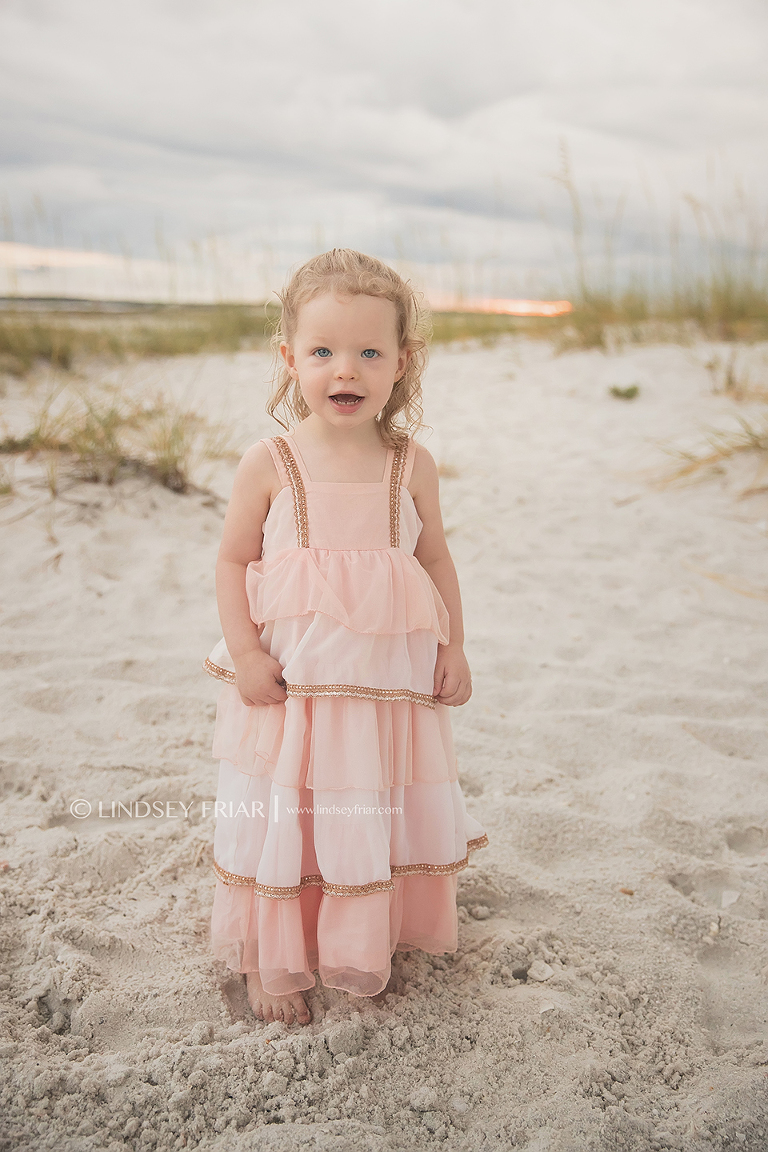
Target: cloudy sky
[{"x": 425, "y": 130}]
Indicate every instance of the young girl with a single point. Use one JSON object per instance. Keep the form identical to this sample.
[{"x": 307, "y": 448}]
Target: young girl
[{"x": 340, "y": 825}]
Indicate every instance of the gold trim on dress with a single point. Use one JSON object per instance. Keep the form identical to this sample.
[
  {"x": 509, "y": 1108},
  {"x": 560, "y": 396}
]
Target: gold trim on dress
[
  {"x": 304, "y": 691},
  {"x": 291, "y": 892},
  {"x": 299, "y": 491},
  {"x": 218, "y": 672},
  {"x": 361, "y": 692},
  {"x": 396, "y": 479},
  {"x": 440, "y": 869}
]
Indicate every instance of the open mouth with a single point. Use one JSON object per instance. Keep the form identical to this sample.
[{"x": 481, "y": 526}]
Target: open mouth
[{"x": 346, "y": 400}]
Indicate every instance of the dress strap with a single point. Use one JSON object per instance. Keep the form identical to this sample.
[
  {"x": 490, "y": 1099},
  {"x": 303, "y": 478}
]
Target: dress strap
[
  {"x": 296, "y": 481},
  {"x": 409, "y": 461},
  {"x": 397, "y": 472},
  {"x": 277, "y": 460}
]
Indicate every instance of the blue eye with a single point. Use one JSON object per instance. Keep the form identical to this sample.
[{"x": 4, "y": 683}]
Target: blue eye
[
  {"x": 321, "y": 352},
  {"x": 369, "y": 353}
]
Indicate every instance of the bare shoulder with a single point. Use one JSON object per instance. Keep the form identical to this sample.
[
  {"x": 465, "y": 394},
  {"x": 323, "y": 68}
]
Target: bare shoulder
[
  {"x": 256, "y": 472},
  {"x": 424, "y": 477}
]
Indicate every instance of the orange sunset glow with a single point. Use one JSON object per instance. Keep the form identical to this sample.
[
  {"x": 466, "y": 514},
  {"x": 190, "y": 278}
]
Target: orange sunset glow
[{"x": 505, "y": 307}]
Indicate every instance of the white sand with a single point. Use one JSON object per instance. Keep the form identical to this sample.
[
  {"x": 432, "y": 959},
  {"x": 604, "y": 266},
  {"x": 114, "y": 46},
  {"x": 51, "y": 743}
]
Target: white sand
[{"x": 616, "y": 740}]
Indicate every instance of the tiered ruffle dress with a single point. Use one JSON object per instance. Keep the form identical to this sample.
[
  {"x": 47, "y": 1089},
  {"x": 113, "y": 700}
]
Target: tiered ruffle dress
[{"x": 360, "y": 745}]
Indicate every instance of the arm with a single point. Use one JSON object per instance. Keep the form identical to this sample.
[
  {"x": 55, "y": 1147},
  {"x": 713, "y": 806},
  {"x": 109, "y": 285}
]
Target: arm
[
  {"x": 453, "y": 682},
  {"x": 258, "y": 675}
]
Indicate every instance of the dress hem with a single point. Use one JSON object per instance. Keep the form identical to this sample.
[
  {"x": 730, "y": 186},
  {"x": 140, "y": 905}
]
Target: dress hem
[{"x": 291, "y": 892}]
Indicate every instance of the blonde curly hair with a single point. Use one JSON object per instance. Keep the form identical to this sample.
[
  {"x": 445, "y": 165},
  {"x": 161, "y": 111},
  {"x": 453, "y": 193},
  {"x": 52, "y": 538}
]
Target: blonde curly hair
[{"x": 345, "y": 272}]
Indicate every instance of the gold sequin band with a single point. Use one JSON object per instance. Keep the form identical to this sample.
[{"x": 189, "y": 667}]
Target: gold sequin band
[
  {"x": 299, "y": 492},
  {"x": 396, "y": 479},
  {"x": 291, "y": 892},
  {"x": 218, "y": 672},
  {"x": 306, "y": 690},
  {"x": 361, "y": 692},
  {"x": 440, "y": 869}
]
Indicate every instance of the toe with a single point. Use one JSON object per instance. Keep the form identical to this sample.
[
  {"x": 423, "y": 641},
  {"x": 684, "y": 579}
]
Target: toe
[{"x": 301, "y": 1010}]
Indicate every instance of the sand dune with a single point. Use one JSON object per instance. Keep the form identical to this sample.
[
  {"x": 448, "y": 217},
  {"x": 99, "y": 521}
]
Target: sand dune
[{"x": 611, "y": 982}]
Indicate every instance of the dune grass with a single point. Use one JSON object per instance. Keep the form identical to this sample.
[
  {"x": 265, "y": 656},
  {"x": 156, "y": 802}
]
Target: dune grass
[
  {"x": 737, "y": 379},
  {"x": 487, "y": 327},
  {"x": 705, "y": 272},
  {"x": 721, "y": 445},
  {"x": 99, "y": 434},
  {"x": 61, "y": 338},
  {"x": 715, "y": 278}
]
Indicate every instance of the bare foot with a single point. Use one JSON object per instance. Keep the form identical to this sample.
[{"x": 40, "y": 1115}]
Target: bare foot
[{"x": 268, "y": 1008}]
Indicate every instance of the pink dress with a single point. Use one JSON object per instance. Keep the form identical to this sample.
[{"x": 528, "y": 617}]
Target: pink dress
[{"x": 340, "y": 823}]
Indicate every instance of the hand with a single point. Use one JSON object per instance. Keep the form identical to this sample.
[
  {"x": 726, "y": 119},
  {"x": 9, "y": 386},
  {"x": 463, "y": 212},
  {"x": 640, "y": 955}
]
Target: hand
[
  {"x": 259, "y": 678},
  {"x": 453, "y": 680}
]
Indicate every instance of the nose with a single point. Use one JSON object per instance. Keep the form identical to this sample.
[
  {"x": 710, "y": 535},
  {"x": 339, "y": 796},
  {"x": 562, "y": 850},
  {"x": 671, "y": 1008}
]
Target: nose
[{"x": 345, "y": 368}]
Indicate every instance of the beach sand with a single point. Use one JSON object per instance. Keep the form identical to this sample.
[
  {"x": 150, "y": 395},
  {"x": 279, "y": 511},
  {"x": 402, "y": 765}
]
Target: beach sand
[{"x": 610, "y": 989}]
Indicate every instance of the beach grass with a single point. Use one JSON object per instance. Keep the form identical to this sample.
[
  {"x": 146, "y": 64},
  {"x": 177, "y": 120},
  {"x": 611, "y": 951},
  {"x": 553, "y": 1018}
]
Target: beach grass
[
  {"x": 721, "y": 445},
  {"x": 674, "y": 283},
  {"x": 98, "y": 434},
  {"x": 61, "y": 341},
  {"x": 60, "y": 338},
  {"x": 714, "y": 277}
]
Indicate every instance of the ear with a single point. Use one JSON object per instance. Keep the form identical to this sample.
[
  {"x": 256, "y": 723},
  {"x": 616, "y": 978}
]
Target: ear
[
  {"x": 289, "y": 360},
  {"x": 402, "y": 362}
]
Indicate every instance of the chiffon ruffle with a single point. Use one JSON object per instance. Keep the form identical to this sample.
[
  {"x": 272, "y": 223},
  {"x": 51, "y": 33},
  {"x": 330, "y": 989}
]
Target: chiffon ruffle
[
  {"x": 318, "y": 650},
  {"x": 331, "y": 742},
  {"x": 315, "y": 847},
  {"x": 349, "y": 942},
  {"x": 383, "y": 591},
  {"x": 277, "y": 837}
]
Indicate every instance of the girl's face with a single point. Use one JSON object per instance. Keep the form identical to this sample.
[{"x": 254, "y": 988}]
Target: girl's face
[{"x": 346, "y": 357}]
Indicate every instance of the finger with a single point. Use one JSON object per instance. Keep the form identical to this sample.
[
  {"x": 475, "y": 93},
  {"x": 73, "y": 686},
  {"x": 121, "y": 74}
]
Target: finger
[
  {"x": 450, "y": 687},
  {"x": 453, "y": 694}
]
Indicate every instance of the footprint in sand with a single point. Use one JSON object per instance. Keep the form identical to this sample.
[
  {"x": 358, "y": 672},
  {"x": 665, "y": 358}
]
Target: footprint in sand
[
  {"x": 159, "y": 670},
  {"x": 162, "y": 709},
  {"x": 722, "y": 888},
  {"x": 733, "y": 1007},
  {"x": 749, "y": 840},
  {"x": 53, "y": 699},
  {"x": 743, "y": 743},
  {"x": 10, "y": 660}
]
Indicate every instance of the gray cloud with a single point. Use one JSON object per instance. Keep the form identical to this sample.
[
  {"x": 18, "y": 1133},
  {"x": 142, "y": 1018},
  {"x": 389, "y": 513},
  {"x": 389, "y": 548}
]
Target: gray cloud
[{"x": 262, "y": 119}]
